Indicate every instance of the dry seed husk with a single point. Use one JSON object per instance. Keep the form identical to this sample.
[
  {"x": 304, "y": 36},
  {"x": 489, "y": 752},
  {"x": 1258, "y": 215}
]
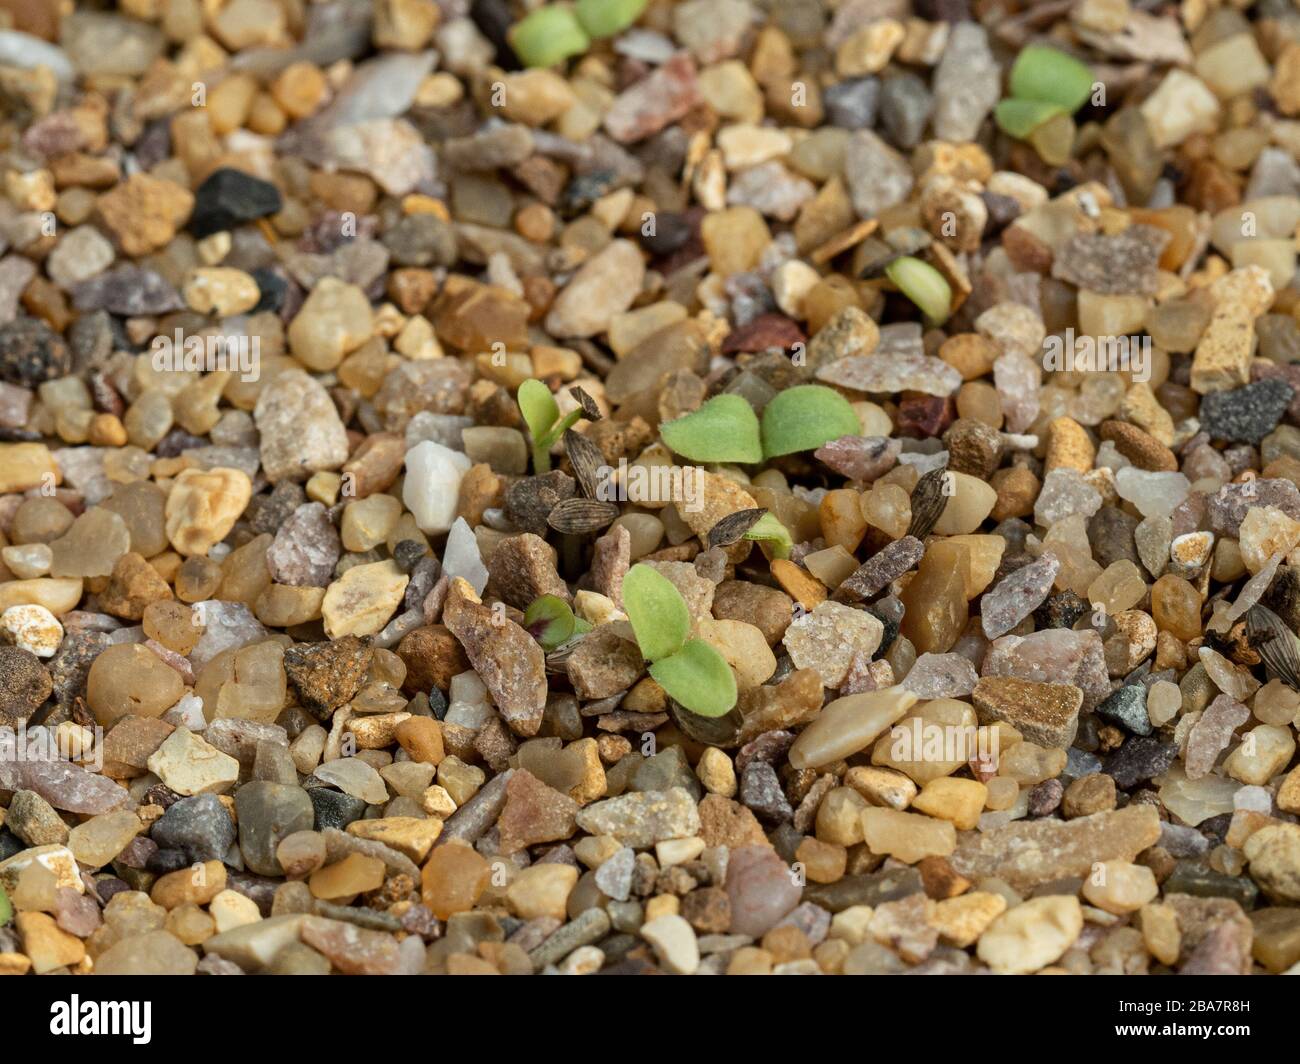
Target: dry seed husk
[
  {"x": 1276, "y": 644},
  {"x": 589, "y": 408},
  {"x": 928, "y": 501},
  {"x": 580, "y": 517},
  {"x": 586, "y": 459},
  {"x": 732, "y": 528}
]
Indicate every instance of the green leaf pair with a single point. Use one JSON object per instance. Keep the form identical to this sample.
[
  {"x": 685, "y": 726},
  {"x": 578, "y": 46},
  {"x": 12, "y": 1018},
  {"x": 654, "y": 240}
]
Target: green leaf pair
[
  {"x": 1045, "y": 83},
  {"x": 690, "y": 671},
  {"x": 552, "y": 623},
  {"x": 557, "y": 32},
  {"x": 542, "y": 416},
  {"x": 726, "y": 429}
]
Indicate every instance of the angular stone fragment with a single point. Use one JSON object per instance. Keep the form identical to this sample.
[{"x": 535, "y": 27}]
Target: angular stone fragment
[
  {"x": 604, "y": 663},
  {"x": 1032, "y": 935},
  {"x": 1056, "y": 655},
  {"x": 1228, "y": 507},
  {"x": 203, "y": 506},
  {"x": 58, "y": 860},
  {"x": 410, "y": 836},
  {"x": 363, "y": 599},
  {"x": 522, "y": 568},
  {"x": 1044, "y": 713},
  {"x": 34, "y": 820},
  {"x": 941, "y": 676},
  {"x": 351, "y": 949},
  {"x": 299, "y": 427},
  {"x": 305, "y": 549},
  {"x": 1116, "y": 263},
  {"x": 1274, "y": 855},
  {"x": 643, "y": 818},
  {"x": 966, "y": 83},
  {"x": 1128, "y": 707},
  {"x": 1222, "y": 359},
  {"x": 829, "y": 638},
  {"x": 1027, "y": 853},
  {"x": 353, "y": 776},
  {"x": 892, "y": 371},
  {"x": 65, "y": 786},
  {"x": 189, "y": 766},
  {"x": 878, "y": 177},
  {"x": 328, "y": 674},
  {"x": 534, "y": 813},
  {"x": 1246, "y": 414},
  {"x": 793, "y": 701},
  {"x": 1220, "y": 920},
  {"x": 610, "y": 561},
  {"x": 508, "y": 660},
  {"x": 604, "y": 286},
  {"x": 254, "y": 947},
  {"x": 25, "y": 684},
  {"x": 1017, "y": 595},
  {"x": 1143, "y": 758},
  {"x": 200, "y": 827},
  {"x": 650, "y": 104}
]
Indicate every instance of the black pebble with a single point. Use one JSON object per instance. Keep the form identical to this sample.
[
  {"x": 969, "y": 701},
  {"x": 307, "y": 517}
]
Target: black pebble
[
  {"x": 272, "y": 285},
  {"x": 229, "y": 198},
  {"x": 334, "y": 809},
  {"x": 671, "y": 232},
  {"x": 437, "y": 703}
]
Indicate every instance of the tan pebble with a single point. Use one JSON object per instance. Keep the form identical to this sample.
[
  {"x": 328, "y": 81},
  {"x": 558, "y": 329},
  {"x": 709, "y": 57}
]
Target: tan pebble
[
  {"x": 198, "y": 884},
  {"x": 221, "y": 291},
  {"x": 230, "y": 910},
  {"x": 46, "y": 945},
  {"x": 716, "y": 772},
  {"x": 203, "y": 506},
  {"x": 542, "y": 890},
  {"x": 1068, "y": 446}
]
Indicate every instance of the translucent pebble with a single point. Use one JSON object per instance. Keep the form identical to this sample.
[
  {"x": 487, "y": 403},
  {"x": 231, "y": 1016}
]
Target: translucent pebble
[
  {"x": 1255, "y": 799},
  {"x": 461, "y": 557},
  {"x": 889, "y": 508},
  {"x": 941, "y": 676},
  {"x": 1227, "y": 677},
  {"x": 1018, "y": 595},
  {"x": 1017, "y": 378},
  {"x": 1211, "y": 734},
  {"x": 1154, "y": 494},
  {"x": 1194, "y": 801},
  {"x": 226, "y": 625},
  {"x": 1120, "y": 587},
  {"x": 1276, "y": 703},
  {"x": 92, "y": 546},
  {"x": 1164, "y": 700},
  {"x": 1253, "y": 590},
  {"x": 1065, "y": 494}
]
